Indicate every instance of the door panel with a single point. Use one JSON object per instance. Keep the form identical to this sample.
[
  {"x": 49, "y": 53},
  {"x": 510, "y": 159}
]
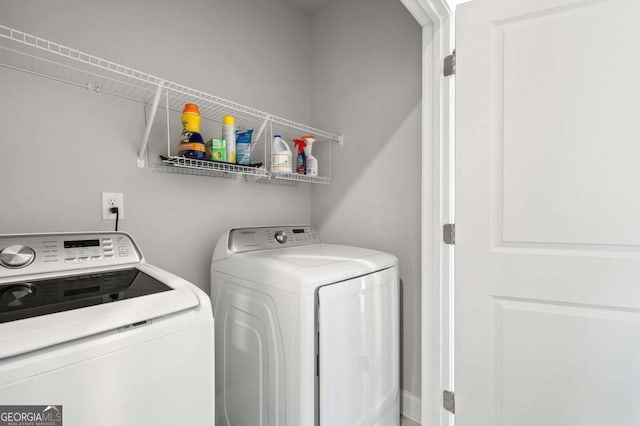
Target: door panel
[
  {"x": 547, "y": 247},
  {"x": 569, "y": 124},
  {"x": 358, "y": 349},
  {"x": 557, "y": 357}
]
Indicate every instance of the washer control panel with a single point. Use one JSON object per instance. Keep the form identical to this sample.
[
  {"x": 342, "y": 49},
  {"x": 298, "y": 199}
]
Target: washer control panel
[
  {"x": 270, "y": 237},
  {"x": 40, "y": 253}
]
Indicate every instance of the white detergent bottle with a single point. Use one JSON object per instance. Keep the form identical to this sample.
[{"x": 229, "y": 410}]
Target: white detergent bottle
[
  {"x": 312, "y": 162},
  {"x": 281, "y": 157}
]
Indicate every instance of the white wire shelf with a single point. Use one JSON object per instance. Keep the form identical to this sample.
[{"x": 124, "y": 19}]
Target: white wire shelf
[
  {"x": 37, "y": 56},
  {"x": 190, "y": 166},
  {"x": 213, "y": 173},
  {"x": 214, "y": 166},
  {"x": 299, "y": 178}
]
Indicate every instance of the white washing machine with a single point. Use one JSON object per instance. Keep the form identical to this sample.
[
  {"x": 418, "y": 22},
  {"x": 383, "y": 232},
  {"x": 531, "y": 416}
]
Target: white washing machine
[
  {"x": 306, "y": 333},
  {"x": 89, "y": 328}
]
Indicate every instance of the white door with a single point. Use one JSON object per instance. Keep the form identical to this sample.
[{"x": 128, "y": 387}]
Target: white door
[
  {"x": 358, "y": 351},
  {"x": 548, "y": 213}
]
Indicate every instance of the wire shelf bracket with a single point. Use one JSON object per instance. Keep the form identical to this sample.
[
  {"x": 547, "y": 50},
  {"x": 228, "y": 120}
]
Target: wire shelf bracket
[
  {"x": 147, "y": 130},
  {"x": 262, "y": 127}
]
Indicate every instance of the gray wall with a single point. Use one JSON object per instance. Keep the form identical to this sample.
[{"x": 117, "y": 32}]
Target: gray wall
[
  {"x": 366, "y": 81},
  {"x": 61, "y": 146}
]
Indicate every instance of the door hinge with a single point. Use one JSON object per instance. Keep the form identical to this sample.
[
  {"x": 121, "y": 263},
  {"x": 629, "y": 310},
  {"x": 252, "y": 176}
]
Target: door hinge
[
  {"x": 449, "y": 233},
  {"x": 450, "y": 64},
  {"x": 449, "y": 401}
]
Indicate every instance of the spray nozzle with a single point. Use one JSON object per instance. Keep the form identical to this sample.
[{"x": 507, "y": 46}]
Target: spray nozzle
[{"x": 300, "y": 144}]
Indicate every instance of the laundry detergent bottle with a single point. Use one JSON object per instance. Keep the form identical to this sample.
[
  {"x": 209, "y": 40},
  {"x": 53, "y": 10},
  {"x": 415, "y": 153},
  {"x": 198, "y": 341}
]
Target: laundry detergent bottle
[
  {"x": 191, "y": 141},
  {"x": 301, "y": 159},
  {"x": 280, "y": 155},
  {"x": 312, "y": 162}
]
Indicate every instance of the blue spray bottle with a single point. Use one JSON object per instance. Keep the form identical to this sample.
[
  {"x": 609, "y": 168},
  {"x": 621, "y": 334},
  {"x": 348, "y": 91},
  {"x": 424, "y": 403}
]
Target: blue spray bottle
[{"x": 301, "y": 159}]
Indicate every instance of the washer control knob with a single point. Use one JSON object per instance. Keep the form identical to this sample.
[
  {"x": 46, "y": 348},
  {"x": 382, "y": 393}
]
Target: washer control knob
[
  {"x": 281, "y": 237},
  {"x": 17, "y": 256},
  {"x": 16, "y": 295}
]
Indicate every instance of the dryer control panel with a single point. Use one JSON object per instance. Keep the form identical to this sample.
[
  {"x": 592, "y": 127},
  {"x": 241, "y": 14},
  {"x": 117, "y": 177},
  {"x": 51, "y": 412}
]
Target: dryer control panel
[
  {"x": 44, "y": 253},
  {"x": 270, "y": 237}
]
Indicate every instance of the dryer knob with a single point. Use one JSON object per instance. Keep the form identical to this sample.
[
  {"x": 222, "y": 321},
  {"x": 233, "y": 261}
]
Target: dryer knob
[
  {"x": 281, "y": 237},
  {"x": 16, "y": 256}
]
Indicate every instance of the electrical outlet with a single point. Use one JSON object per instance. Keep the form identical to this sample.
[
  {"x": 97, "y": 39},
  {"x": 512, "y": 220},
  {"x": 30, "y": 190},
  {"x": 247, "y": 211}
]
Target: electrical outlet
[{"x": 109, "y": 200}]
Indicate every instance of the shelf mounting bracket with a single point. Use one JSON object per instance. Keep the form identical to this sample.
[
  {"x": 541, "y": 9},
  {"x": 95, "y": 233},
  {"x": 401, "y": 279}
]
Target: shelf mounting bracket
[
  {"x": 147, "y": 130},
  {"x": 262, "y": 127}
]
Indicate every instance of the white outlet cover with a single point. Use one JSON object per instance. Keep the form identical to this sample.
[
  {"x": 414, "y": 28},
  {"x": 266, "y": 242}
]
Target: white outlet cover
[{"x": 119, "y": 197}]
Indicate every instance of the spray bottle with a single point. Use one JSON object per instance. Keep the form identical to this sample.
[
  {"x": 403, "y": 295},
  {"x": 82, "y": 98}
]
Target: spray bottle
[
  {"x": 301, "y": 160},
  {"x": 312, "y": 162}
]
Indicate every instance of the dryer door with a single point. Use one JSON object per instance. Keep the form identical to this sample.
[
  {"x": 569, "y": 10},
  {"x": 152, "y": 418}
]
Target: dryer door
[{"x": 359, "y": 351}]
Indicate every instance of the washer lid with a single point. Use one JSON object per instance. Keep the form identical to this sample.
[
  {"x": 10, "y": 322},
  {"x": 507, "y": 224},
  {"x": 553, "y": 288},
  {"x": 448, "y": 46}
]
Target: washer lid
[
  {"x": 303, "y": 269},
  {"x": 112, "y": 300}
]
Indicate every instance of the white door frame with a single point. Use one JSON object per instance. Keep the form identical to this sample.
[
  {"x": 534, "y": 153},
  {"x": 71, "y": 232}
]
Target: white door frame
[{"x": 438, "y": 159}]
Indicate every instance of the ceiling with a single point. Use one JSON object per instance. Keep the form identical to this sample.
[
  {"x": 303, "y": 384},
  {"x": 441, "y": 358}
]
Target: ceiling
[{"x": 310, "y": 5}]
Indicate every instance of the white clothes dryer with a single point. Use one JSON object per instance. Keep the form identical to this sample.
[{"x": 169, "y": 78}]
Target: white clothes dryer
[
  {"x": 89, "y": 328},
  {"x": 306, "y": 333}
]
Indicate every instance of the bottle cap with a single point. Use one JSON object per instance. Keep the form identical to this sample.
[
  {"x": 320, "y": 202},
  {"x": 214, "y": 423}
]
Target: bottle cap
[
  {"x": 191, "y": 108},
  {"x": 228, "y": 120},
  {"x": 306, "y": 138},
  {"x": 277, "y": 136}
]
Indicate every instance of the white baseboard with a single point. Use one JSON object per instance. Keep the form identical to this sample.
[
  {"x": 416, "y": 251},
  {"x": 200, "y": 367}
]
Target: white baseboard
[{"x": 411, "y": 406}]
